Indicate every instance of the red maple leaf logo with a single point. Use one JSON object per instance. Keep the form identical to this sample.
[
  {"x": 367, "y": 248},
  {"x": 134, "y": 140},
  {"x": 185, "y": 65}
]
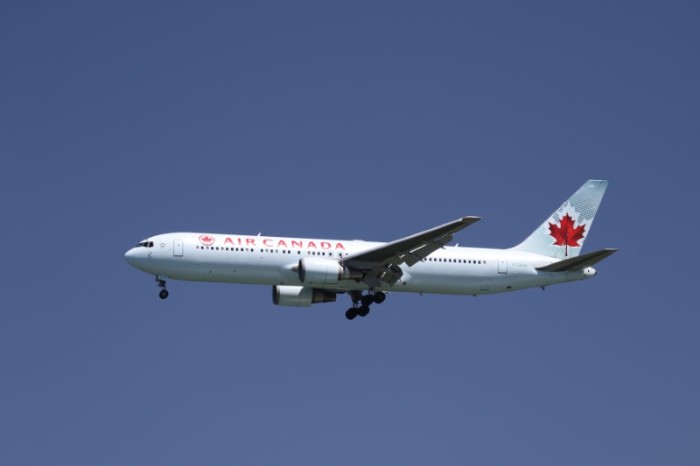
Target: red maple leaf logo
[
  {"x": 566, "y": 233},
  {"x": 206, "y": 240}
]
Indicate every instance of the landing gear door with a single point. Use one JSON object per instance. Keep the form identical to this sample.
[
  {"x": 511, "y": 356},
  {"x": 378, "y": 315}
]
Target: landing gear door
[
  {"x": 177, "y": 247},
  {"x": 503, "y": 266}
]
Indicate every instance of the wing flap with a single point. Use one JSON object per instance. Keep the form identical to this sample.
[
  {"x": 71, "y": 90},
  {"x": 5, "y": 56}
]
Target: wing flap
[
  {"x": 382, "y": 264},
  {"x": 579, "y": 262},
  {"x": 411, "y": 249}
]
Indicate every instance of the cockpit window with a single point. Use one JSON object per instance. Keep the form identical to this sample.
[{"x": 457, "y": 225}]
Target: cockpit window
[{"x": 145, "y": 244}]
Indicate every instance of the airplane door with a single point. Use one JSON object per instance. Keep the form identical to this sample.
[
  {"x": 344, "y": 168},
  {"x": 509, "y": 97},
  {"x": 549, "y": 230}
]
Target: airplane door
[
  {"x": 177, "y": 248},
  {"x": 502, "y": 265}
]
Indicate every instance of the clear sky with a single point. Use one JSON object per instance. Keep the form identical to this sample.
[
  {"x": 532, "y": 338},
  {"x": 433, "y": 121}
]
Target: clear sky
[{"x": 346, "y": 120}]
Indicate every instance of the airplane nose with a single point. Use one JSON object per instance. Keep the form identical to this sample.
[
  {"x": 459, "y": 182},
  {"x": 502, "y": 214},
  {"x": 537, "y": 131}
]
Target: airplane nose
[{"x": 130, "y": 256}]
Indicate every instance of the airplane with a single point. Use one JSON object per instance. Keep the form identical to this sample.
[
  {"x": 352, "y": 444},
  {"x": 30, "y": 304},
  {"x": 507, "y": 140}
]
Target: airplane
[{"x": 305, "y": 271}]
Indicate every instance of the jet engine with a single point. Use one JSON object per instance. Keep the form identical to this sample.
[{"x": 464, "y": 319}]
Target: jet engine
[
  {"x": 300, "y": 296},
  {"x": 319, "y": 271}
]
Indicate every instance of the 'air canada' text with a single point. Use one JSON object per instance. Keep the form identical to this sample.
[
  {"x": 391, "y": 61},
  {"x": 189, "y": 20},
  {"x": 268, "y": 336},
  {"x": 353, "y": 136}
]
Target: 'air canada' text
[{"x": 282, "y": 243}]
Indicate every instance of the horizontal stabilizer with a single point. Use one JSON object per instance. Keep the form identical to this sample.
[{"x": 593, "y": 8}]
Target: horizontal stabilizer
[{"x": 578, "y": 262}]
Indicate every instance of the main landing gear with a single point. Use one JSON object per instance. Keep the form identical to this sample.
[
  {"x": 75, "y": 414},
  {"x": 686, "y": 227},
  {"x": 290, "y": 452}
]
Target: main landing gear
[
  {"x": 161, "y": 284},
  {"x": 361, "y": 303}
]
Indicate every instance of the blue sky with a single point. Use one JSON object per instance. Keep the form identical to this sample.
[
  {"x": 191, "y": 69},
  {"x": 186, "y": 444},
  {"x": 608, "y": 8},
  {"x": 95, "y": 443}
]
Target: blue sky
[{"x": 345, "y": 120}]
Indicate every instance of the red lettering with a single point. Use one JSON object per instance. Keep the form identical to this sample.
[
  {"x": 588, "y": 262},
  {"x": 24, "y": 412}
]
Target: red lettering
[
  {"x": 286, "y": 243},
  {"x": 281, "y": 243}
]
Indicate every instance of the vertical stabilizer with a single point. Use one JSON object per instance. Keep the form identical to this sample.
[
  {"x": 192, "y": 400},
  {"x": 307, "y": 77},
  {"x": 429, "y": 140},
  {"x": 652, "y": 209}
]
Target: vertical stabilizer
[{"x": 563, "y": 233}]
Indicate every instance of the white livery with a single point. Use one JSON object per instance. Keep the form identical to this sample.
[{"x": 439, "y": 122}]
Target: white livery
[{"x": 305, "y": 271}]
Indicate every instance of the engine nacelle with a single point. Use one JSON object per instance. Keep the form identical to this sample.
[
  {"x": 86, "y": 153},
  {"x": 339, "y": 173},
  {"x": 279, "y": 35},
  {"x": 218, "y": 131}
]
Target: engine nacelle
[
  {"x": 300, "y": 296},
  {"x": 313, "y": 270}
]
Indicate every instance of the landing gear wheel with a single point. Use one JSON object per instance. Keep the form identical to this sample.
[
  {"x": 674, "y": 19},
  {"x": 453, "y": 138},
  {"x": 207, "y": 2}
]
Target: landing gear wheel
[
  {"x": 367, "y": 300},
  {"x": 160, "y": 281},
  {"x": 351, "y": 313},
  {"x": 379, "y": 297},
  {"x": 362, "y": 311}
]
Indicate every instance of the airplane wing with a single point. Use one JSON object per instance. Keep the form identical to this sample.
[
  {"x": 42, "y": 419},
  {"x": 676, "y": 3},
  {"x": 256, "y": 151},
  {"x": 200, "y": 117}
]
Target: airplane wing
[
  {"x": 381, "y": 264},
  {"x": 578, "y": 262}
]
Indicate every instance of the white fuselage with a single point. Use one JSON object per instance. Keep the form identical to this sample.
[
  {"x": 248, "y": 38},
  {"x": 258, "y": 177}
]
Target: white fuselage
[{"x": 265, "y": 260}]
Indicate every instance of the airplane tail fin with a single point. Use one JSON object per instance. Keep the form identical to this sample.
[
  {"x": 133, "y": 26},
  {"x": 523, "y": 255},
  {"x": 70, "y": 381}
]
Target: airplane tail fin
[{"x": 562, "y": 235}]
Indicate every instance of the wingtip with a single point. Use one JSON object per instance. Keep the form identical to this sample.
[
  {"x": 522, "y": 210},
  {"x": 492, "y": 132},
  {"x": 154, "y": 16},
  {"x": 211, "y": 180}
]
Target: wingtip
[{"x": 470, "y": 219}]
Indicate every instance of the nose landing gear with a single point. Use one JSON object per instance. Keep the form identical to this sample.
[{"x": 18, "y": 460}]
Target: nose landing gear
[
  {"x": 160, "y": 280},
  {"x": 361, "y": 303}
]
